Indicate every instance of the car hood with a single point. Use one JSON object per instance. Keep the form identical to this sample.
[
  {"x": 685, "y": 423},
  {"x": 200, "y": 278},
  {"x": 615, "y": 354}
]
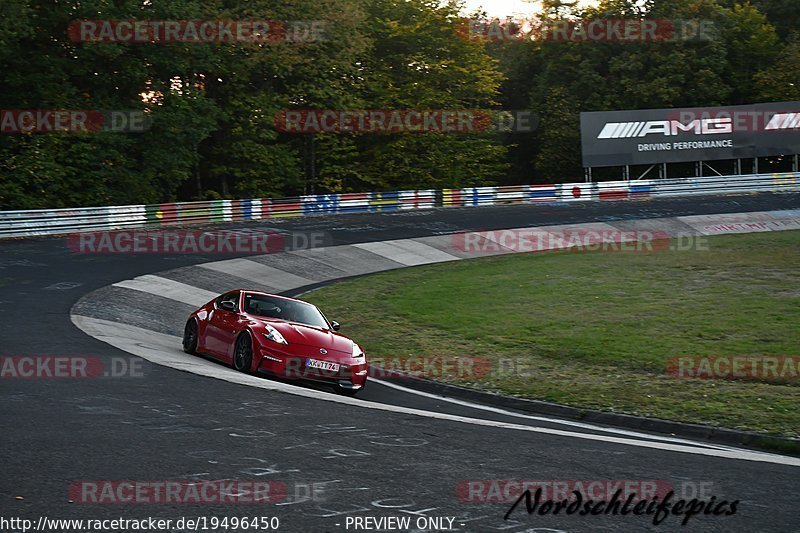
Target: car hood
[{"x": 301, "y": 335}]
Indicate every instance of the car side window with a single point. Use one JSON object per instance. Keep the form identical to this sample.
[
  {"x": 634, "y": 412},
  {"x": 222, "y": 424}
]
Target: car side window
[{"x": 228, "y": 297}]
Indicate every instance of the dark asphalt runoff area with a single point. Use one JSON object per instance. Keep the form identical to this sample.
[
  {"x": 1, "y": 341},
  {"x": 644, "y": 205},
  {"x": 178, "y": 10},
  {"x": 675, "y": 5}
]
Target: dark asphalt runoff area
[{"x": 325, "y": 464}]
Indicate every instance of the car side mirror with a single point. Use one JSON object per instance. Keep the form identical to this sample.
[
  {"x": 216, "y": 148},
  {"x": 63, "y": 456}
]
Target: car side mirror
[
  {"x": 228, "y": 306},
  {"x": 335, "y": 325}
]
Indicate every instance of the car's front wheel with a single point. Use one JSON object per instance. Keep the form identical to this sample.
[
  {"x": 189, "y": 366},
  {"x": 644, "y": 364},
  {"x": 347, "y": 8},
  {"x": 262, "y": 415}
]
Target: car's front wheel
[
  {"x": 190, "y": 337},
  {"x": 243, "y": 353}
]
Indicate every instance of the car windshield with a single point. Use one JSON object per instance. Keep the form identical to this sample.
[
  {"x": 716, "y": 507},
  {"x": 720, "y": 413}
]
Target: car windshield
[{"x": 289, "y": 310}]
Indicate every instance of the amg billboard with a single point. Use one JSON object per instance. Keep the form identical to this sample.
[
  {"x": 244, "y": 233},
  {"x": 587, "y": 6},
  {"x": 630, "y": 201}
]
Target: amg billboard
[{"x": 647, "y": 136}]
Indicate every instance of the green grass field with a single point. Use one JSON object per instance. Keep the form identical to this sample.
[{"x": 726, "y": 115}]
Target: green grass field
[{"x": 596, "y": 329}]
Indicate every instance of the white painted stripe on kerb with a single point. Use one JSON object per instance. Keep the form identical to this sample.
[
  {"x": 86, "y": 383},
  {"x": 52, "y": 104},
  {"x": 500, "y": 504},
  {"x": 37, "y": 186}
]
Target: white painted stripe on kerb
[
  {"x": 254, "y": 271},
  {"x": 167, "y": 288},
  {"x": 165, "y": 350},
  {"x": 570, "y": 423},
  {"x": 407, "y": 252}
]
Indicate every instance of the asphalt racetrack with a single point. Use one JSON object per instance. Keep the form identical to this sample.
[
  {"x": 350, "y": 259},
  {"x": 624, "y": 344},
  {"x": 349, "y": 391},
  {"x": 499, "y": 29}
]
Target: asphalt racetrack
[{"x": 444, "y": 465}]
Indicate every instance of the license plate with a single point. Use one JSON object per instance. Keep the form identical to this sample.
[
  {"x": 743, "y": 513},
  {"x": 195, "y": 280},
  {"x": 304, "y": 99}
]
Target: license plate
[{"x": 322, "y": 365}]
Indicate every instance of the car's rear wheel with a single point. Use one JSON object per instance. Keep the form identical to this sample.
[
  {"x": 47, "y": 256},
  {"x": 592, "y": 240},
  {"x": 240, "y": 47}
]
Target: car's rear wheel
[
  {"x": 190, "y": 337},
  {"x": 243, "y": 354}
]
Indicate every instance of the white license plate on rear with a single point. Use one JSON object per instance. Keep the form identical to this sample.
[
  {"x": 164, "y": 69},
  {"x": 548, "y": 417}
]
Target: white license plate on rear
[{"x": 322, "y": 365}]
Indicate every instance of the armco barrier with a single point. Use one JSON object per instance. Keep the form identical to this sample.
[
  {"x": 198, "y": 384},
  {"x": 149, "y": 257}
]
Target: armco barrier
[{"x": 60, "y": 221}]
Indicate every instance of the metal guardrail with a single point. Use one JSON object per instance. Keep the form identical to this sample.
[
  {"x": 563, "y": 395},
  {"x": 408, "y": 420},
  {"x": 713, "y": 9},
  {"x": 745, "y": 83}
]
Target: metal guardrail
[{"x": 60, "y": 221}]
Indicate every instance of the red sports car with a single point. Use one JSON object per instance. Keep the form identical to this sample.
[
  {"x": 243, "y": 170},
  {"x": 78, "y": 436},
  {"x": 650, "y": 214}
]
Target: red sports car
[{"x": 275, "y": 335}]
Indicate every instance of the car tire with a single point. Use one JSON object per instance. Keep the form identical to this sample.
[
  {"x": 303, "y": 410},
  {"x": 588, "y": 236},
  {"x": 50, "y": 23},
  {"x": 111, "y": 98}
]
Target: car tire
[
  {"x": 243, "y": 353},
  {"x": 190, "y": 337}
]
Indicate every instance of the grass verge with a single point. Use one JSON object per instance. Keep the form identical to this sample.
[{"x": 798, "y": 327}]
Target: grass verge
[{"x": 597, "y": 329}]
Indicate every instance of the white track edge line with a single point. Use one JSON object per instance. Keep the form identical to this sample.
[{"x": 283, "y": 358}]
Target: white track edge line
[{"x": 141, "y": 347}]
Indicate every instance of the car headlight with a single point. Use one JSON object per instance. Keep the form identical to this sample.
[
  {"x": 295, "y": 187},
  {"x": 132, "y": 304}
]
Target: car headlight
[
  {"x": 274, "y": 335},
  {"x": 357, "y": 351}
]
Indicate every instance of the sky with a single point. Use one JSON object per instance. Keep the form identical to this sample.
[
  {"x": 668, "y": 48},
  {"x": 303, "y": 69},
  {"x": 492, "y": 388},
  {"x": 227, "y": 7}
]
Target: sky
[{"x": 504, "y": 8}]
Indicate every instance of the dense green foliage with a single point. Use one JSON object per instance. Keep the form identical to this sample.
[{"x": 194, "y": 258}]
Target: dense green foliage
[{"x": 212, "y": 105}]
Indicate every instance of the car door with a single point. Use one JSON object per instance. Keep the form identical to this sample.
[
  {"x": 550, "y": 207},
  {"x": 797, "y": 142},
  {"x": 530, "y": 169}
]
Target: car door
[{"x": 222, "y": 326}]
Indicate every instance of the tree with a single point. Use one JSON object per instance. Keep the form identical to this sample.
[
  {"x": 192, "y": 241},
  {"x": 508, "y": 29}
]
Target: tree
[
  {"x": 417, "y": 60},
  {"x": 751, "y": 43},
  {"x": 781, "y": 81},
  {"x": 783, "y": 14}
]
